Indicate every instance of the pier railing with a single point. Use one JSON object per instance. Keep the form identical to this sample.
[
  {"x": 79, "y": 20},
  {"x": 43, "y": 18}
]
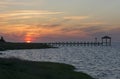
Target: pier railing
[{"x": 77, "y": 44}]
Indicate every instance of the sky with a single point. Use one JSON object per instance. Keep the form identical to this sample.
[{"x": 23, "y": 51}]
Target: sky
[{"x": 59, "y": 20}]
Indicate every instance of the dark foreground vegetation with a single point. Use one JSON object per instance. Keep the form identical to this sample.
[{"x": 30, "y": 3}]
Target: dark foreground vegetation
[
  {"x": 13, "y": 68},
  {"x": 16, "y": 46}
]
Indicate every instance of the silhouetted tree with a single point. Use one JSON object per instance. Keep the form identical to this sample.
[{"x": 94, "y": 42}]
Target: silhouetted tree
[{"x": 2, "y": 40}]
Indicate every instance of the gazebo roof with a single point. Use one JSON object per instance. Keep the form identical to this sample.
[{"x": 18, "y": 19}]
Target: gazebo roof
[{"x": 106, "y": 37}]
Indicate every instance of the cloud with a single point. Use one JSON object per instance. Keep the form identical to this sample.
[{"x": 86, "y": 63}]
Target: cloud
[
  {"x": 52, "y": 32},
  {"x": 14, "y": 3},
  {"x": 26, "y": 15},
  {"x": 76, "y": 17},
  {"x": 93, "y": 28},
  {"x": 55, "y": 29},
  {"x": 7, "y": 3},
  {"x": 28, "y": 12}
]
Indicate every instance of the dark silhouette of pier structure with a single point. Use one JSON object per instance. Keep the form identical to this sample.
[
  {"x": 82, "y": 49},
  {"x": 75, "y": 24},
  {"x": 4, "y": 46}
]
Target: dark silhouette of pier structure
[{"x": 105, "y": 41}]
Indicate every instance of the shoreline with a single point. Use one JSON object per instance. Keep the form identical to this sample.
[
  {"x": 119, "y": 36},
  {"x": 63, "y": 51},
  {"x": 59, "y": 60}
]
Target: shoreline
[
  {"x": 13, "y": 68},
  {"x": 18, "y": 46}
]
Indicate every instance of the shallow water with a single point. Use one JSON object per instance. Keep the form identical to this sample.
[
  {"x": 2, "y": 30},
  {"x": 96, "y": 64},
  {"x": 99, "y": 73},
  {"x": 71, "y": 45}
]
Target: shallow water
[{"x": 99, "y": 62}]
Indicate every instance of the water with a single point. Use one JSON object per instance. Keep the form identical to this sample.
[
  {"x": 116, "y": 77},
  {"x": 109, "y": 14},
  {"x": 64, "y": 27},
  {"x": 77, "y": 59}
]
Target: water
[{"x": 99, "y": 62}]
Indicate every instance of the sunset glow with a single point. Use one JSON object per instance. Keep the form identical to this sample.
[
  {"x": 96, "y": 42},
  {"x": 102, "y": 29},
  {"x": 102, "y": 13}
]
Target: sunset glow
[
  {"x": 53, "y": 20},
  {"x": 28, "y": 39}
]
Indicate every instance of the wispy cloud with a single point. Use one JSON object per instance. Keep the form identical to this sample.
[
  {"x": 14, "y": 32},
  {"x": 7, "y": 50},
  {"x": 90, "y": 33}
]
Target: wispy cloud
[
  {"x": 26, "y": 14},
  {"x": 9, "y": 3},
  {"x": 76, "y": 17},
  {"x": 55, "y": 31}
]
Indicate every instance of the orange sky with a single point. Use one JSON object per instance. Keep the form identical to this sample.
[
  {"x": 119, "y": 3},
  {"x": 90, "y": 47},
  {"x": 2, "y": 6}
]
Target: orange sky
[{"x": 51, "y": 20}]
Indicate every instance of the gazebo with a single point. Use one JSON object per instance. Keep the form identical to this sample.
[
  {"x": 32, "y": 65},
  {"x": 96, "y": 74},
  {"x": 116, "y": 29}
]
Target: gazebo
[{"x": 106, "y": 40}]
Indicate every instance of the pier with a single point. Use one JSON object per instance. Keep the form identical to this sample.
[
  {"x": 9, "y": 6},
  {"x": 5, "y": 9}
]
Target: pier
[
  {"x": 75, "y": 44},
  {"x": 105, "y": 41}
]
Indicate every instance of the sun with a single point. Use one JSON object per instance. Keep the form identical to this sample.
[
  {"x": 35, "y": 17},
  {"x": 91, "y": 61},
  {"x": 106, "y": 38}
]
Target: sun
[
  {"x": 28, "y": 41},
  {"x": 28, "y": 38}
]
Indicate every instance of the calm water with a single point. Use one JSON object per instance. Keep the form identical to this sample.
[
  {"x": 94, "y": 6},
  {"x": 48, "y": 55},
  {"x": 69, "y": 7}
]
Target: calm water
[{"x": 99, "y": 62}]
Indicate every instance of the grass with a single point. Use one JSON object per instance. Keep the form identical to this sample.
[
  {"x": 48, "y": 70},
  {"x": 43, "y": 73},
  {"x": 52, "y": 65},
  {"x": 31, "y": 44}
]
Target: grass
[{"x": 13, "y": 68}]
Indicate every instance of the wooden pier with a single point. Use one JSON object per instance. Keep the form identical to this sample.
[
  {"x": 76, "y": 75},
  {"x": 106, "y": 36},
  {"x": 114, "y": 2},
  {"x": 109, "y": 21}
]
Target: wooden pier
[
  {"x": 75, "y": 44},
  {"x": 105, "y": 41}
]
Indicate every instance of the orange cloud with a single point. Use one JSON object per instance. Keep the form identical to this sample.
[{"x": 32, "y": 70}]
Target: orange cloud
[
  {"x": 76, "y": 17},
  {"x": 26, "y": 15},
  {"x": 48, "y": 27}
]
